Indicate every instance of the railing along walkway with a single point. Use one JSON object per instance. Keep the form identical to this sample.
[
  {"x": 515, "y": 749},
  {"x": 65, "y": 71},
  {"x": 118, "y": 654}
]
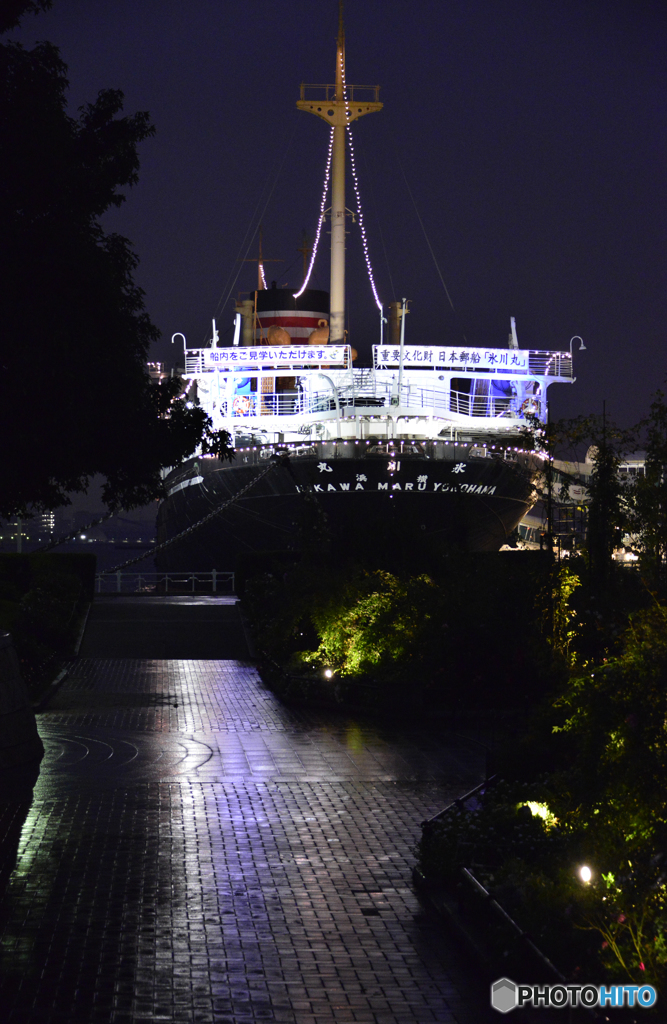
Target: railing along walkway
[{"x": 214, "y": 582}]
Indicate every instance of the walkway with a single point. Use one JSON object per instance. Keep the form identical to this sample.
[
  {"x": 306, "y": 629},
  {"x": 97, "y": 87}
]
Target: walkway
[{"x": 195, "y": 852}]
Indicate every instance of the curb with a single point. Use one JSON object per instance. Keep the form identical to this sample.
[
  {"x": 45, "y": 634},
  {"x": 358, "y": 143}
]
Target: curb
[
  {"x": 247, "y": 632},
  {"x": 429, "y": 894},
  {"x": 491, "y": 969},
  {"x": 62, "y": 675},
  {"x": 52, "y": 691},
  {"x": 79, "y": 639}
]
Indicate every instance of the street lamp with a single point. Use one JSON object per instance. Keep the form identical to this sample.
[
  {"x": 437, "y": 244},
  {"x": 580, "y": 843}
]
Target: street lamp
[{"x": 582, "y": 347}]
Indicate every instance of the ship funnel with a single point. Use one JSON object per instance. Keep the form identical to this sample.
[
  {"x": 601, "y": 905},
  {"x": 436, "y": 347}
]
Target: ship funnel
[
  {"x": 395, "y": 324},
  {"x": 247, "y": 310}
]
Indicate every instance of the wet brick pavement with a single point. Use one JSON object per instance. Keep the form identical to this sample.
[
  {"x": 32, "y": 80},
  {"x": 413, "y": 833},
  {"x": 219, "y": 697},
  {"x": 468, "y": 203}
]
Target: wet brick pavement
[{"x": 195, "y": 852}]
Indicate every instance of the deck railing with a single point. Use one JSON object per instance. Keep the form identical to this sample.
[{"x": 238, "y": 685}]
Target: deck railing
[
  {"x": 214, "y": 582},
  {"x": 355, "y": 93},
  {"x": 378, "y": 395}
]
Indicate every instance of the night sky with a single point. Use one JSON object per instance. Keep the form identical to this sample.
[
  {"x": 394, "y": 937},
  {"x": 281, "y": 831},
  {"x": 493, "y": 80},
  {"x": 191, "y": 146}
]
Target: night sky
[{"x": 532, "y": 134}]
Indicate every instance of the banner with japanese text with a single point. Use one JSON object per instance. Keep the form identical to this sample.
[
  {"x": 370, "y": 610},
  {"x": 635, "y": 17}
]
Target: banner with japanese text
[
  {"x": 246, "y": 358},
  {"x": 453, "y": 358}
]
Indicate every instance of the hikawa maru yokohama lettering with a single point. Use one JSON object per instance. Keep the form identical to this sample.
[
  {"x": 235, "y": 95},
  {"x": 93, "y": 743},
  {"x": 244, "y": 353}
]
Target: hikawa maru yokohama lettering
[{"x": 422, "y": 484}]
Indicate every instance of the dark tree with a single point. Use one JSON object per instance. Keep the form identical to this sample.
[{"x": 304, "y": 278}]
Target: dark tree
[
  {"x": 77, "y": 399},
  {"x": 11, "y": 11},
  {"x": 650, "y": 499},
  {"x": 609, "y": 499}
]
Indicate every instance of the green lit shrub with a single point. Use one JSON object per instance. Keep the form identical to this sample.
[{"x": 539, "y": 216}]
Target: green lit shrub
[
  {"x": 375, "y": 621},
  {"x": 603, "y": 806}
]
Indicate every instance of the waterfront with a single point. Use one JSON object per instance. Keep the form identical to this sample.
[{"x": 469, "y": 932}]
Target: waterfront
[{"x": 194, "y": 851}]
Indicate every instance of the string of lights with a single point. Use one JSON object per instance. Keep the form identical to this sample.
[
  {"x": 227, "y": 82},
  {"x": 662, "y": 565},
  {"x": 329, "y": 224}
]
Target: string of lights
[
  {"x": 261, "y": 270},
  {"x": 364, "y": 240},
  {"x": 360, "y": 214},
  {"x": 327, "y": 176}
]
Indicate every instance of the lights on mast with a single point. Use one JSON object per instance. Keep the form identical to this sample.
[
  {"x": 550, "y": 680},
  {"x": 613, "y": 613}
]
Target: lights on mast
[
  {"x": 348, "y": 118},
  {"x": 362, "y": 227},
  {"x": 327, "y": 176},
  {"x": 364, "y": 240}
]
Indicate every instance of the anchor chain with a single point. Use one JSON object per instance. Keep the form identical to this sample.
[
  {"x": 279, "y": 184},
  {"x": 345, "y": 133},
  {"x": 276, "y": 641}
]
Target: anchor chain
[{"x": 282, "y": 460}]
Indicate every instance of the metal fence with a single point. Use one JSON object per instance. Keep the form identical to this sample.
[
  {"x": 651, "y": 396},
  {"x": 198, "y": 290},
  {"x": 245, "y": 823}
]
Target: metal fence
[{"x": 213, "y": 582}]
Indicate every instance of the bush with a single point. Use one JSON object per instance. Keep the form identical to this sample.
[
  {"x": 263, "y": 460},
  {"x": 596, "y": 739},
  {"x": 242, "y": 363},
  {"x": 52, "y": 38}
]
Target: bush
[
  {"x": 41, "y": 597},
  {"x": 603, "y": 804},
  {"x": 465, "y": 641}
]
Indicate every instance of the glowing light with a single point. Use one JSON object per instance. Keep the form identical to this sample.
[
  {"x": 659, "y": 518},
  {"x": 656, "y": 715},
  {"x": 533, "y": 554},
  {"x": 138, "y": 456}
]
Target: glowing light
[
  {"x": 362, "y": 227},
  {"x": 261, "y": 270},
  {"x": 542, "y": 811},
  {"x": 364, "y": 239},
  {"x": 327, "y": 176},
  {"x": 328, "y": 673},
  {"x": 585, "y": 874}
]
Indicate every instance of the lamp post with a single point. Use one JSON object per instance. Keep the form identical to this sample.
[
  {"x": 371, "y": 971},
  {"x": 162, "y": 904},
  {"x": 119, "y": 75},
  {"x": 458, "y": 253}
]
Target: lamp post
[{"x": 582, "y": 347}]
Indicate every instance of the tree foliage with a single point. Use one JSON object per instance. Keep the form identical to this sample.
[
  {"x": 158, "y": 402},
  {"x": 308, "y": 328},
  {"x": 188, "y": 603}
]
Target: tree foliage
[
  {"x": 11, "y": 11},
  {"x": 649, "y": 510},
  {"x": 612, "y": 794},
  {"x": 375, "y": 619},
  {"x": 75, "y": 334}
]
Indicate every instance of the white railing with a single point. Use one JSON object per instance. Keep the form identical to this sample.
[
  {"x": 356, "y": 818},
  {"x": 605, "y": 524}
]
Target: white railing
[
  {"x": 378, "y": 394},
  {"x": 164, "y": 582},
  {"x": 493, "y": 407}
]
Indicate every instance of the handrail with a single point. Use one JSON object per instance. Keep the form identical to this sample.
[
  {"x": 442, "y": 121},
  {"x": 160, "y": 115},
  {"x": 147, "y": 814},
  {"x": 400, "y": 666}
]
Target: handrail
[
  {"x": 330, "y": 91},
  {"x": 460, "y": 800},
  {"x": 429, "y": 400},
  {"x": 519, "y": 933},
  {"x": 490, "y": 902},
  {"x": 142, "y": 582}
]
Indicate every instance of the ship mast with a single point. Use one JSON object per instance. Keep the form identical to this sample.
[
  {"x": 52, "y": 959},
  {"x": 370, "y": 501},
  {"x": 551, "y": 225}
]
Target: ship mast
[
  {"x": 337, "y": 287},
  {"x": 338, "y": 107}
]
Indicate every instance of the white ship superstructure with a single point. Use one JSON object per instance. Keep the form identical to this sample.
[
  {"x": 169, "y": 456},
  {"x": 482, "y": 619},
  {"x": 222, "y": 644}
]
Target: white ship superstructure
[{"x": 428, "y": 438}]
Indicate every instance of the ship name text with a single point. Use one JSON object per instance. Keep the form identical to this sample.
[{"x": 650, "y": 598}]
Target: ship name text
[{"x": 424, "y": 485}]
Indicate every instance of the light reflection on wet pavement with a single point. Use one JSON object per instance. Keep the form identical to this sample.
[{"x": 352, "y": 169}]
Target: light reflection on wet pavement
[{"x": 196, "y": 852}]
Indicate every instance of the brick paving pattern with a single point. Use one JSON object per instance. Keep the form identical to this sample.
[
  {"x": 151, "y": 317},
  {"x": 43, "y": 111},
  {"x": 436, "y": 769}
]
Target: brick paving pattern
[{"x": 196, "y": 852}]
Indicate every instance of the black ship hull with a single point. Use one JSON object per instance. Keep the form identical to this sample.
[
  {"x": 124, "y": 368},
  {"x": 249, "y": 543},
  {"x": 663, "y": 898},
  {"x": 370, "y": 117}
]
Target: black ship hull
[{"x": 353, "y": 494}]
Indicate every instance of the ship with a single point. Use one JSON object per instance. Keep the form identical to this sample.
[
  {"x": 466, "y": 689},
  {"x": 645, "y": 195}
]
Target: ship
[{"x": 425, "y": 448}]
